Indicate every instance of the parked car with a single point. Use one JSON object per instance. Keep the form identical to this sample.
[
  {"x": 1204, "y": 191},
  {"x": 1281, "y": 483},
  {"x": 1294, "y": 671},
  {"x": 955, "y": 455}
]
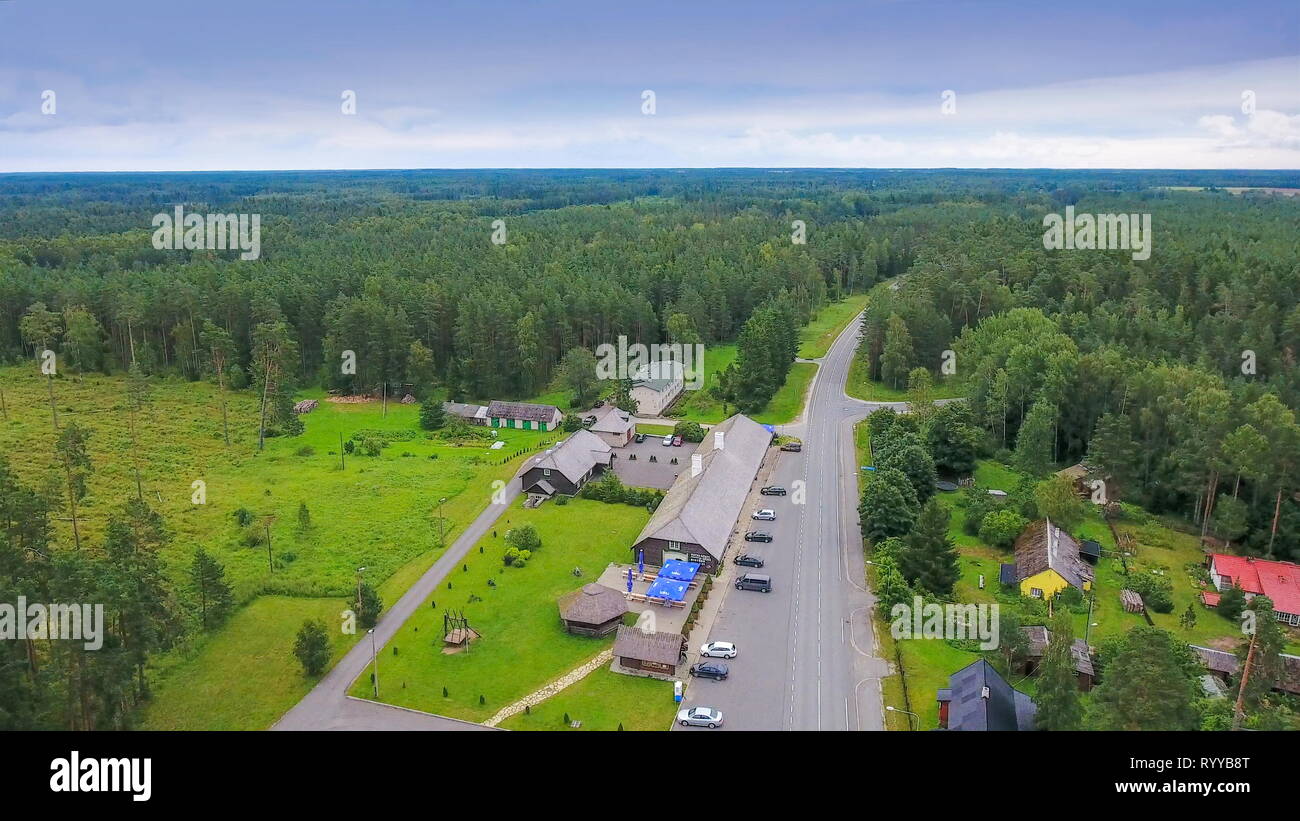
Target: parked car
[
  {"x": 718, "y": 649},
  {"x": 677, "y": 441},
  {"x": 700, "y": 717},
  {"x": 755, "y": 581},
  {"x": 640, "y": 437},
  {"x": 668, "y": 441},
  {"x": 792, "y": 447},
  {"x": 746, "y": 560},
  {"x": 765, "y": 515},
  {"x": 772, "y": 490},
  {"x": 758, "y": 536},
  {"x": 710, "y": 669},
  {"x": 589, "y": 421}
]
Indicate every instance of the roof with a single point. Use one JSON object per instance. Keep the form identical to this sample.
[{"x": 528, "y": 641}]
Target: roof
[
  {"x": 523, "y": 410},
  {"x": 702, "y": 509},
  {"x": 1210, "y": 599},
  {"x": 576, "y": 455},
  {"x": 1007, "y": 573},
  {"x": 1090, "y": 548},
  {"x": 1280, "y": 581},
  {"x": 462, "y": 409},
  {"x": 980, "y": 699},
  {"x": 612, "y": 420},
  {"x": 1043, "y": 546},
  {"x": 1221, "y": 661},
  {"x": 659, "y": 376},
  {"x": 1077, "y": 471},
  {"x": 635, "y": 643},
  {"x": 592, "y": 604},
  {"x": 1039, "y": 637}
]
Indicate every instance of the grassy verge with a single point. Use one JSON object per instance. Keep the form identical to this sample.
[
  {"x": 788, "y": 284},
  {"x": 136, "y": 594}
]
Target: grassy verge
[
  {"x": 654, "y": 430},
  {"x": 859, "y": 385},
  {"x": 604, "y": 700},
  {"x": 818, "y": 335},
  {"x": 523, "y": 644}
]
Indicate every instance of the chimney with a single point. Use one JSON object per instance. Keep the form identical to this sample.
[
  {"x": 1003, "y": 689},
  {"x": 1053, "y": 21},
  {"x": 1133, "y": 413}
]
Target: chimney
[
  {"x": 984, "y": 692},
  {"x": 717, "y": 439},
  {"x": 697, "y": 464}
]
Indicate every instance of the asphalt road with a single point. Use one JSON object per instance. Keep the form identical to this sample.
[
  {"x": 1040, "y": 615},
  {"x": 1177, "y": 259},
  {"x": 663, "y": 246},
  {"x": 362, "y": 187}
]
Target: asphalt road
[{"x": 806, "y": 656}]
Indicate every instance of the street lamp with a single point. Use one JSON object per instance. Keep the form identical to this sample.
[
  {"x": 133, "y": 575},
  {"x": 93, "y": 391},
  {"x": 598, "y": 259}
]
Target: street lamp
[
  {"x": 442, "y": 535},
  {"x": 909, "y": 721},
  {"x": 360, "y": 570},
  {"x": 374, "y": 657}
]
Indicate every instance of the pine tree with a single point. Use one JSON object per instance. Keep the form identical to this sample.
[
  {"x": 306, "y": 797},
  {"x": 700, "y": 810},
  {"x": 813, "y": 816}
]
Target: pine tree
[
  {"x": 432, "y": 415},
  {"x": 312, "y": 647},
  {"x": 929, "y": 556},
  {"x": 897, "y": 356},
  {"x": 1149, "y": 684},
  {"x": 209, "y": 581},
  {"x": 1059, "y": 706},
  {"x": 1034, "y": 441}
]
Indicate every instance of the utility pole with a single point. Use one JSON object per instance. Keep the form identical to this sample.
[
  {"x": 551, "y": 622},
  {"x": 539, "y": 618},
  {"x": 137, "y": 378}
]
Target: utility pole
[
  {"x": 269, "y": 562},
  {"x": 1238, "y": 712},
  {"x": 374, "y": 657},
  {"x": 342, "y": 462}
]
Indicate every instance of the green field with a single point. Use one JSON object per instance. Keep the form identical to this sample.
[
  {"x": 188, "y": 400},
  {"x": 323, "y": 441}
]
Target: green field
[
  {"x": 818, "y": 335},
  {"x": 523, "y": 645},
  {"x": 860, "y": 386},
  {"x": 603, "y": 701},
  {"x": 785, "y": 406},
  {"x": 378, "y": 512}
]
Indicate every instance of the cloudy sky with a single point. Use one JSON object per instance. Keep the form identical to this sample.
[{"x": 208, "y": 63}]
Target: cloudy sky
[{"x": 259, "y": 84}]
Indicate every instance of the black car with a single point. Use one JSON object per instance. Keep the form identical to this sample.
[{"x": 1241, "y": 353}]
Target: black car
[
  {"x": 640, "y": 437},
  {"x": 773, "y": 490},
  {"x": 711, "y": 669},
  {"x": 758, "y": 536},
  {"x": 792, "y": 447},
  {"x": 747, "y": 560}
]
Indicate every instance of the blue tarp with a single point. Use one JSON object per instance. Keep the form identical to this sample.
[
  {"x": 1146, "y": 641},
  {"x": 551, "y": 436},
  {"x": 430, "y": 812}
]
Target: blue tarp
[
  {"x": 770, "y": 429},
  {"x": 679, "y": 570},
  {"x": 671, "y": 589}
]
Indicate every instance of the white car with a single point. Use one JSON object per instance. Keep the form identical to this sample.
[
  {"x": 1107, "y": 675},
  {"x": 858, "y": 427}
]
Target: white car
[
  {"x": 668, "y": 441},
  {"x": 767, "y": 514},
  {"x": 700, "y": 717},
  {"x": 718, "y": 650}
]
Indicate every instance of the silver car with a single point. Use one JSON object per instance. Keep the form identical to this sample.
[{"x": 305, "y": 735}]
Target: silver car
[
  {"x": 765, "y": 515},
  {"x": 700, "y": 717},
  {"x": 718, "y": 650}
]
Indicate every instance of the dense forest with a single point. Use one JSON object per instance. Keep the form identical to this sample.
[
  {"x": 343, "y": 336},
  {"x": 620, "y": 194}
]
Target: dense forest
[{"x": 1174, "y": 378}]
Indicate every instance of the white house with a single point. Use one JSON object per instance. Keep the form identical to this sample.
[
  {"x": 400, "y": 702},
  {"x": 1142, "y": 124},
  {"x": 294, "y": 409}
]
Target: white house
[{"x": 657, "y": 386}]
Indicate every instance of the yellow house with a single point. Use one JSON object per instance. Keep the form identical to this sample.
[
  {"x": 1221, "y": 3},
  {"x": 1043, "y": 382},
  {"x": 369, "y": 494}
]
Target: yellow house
[{"x": 1047, "y": 561}]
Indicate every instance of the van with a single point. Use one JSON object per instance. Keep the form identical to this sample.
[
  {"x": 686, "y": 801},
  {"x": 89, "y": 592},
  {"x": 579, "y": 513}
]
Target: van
[{"x": 754, "y": 581}]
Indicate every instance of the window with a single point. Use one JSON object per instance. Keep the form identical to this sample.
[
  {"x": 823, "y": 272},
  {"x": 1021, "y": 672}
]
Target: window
[
  {"x": 546, "y": 472},
  {"x": 675, "y": 546},
  {"x": 1035, "y": 592}
]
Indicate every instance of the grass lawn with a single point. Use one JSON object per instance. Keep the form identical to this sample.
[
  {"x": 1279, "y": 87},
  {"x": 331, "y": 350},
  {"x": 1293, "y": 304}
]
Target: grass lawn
[
  {"x": 523, "y": 645},
  {"x": 654, "y": 430},
  {"x": 699, "y": 406},
  {"x": 603, "y": 701},
  {"x": 261, "y": 677},
  {"x": 860, "y": 386},
  {"x": 378, "y": 512},
  {"x": 818, "y": 335}
]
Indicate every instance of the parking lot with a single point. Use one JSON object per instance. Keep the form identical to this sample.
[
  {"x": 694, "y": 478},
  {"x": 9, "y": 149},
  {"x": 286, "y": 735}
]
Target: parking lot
[{"x": 660, "y": 474}]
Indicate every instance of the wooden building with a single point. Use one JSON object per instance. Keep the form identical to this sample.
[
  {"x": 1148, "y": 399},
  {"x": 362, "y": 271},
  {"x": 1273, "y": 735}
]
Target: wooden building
[
  {"x": 652, "y": 653},
  {"x": 592, "y": 610},
  {"x": 565, "y": 468}
]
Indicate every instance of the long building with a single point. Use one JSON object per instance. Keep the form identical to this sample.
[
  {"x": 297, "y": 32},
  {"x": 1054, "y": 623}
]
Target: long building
[{"x": 695, "y": 520}]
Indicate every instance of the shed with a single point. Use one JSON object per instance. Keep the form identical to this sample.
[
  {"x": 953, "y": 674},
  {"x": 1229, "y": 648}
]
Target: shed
[
  {"x": 1131, "y": 600},
  {"x": 592, "y": 610},
  {"x": 641, "y": 651}
]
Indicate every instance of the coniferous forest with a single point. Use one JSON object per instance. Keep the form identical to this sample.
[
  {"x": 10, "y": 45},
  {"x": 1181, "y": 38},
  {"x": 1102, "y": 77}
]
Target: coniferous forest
[{"x": 1176, "y": 375}]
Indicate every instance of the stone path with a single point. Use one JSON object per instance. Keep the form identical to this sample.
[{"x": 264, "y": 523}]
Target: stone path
[{"x": 567, "y": 680}]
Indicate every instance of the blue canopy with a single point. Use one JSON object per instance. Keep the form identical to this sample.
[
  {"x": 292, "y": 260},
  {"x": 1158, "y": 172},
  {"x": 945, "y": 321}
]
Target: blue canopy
[
  {"x": 662, "y": 588},
  {"x": 679, "y": 570},
  {"x": 770, "y": 429},
  {"x": 629, "y": 580}
]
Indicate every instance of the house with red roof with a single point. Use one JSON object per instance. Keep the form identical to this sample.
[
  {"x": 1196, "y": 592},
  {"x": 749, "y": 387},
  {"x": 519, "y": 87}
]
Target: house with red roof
[{"x": 1280, "y": 581}]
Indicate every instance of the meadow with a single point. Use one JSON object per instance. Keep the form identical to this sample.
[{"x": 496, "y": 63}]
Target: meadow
[
  {"x": 380, "y": 512},
  {"x": 523, "y": 645}
]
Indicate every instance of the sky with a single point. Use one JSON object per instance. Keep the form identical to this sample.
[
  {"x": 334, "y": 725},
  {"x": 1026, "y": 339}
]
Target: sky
[{"x": 148, "y": 85}]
